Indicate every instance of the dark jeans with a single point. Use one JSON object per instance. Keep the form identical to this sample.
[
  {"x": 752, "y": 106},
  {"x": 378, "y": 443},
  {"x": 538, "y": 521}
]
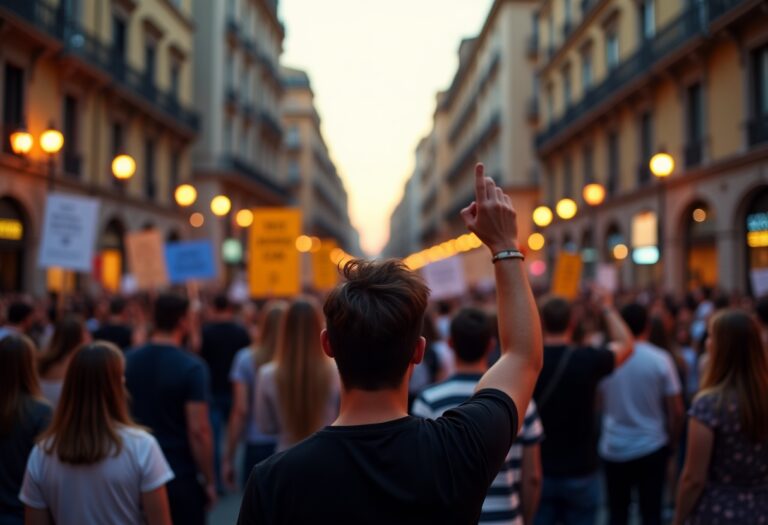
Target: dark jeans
[
  {"x": 646, "y": 474},
  {"x": 187, "y": 501},
  {"x": 255, "y": 454},
  {"x": 219, "y": 415},
  {"x": 570, "y": 501}
]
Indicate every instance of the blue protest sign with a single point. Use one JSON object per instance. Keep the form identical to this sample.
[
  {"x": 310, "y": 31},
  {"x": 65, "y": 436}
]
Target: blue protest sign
[{"x": 189, "y": 260}]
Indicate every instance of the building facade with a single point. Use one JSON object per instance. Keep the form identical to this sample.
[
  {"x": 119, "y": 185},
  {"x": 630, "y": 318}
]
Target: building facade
[
  {"x": 113, "y": 78},
  {"x": 405, "y": 221},
  {"x": 308, "y": 169},
  {"x": 238, "y": 44},
  {"x": 622, "y": 80}
]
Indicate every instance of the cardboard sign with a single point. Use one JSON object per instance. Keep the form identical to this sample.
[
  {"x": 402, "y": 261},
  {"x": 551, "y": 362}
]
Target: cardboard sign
[
  {"x": 567, "y": 277},
  {"x": 273, "y": 260},
  {"x": 607, "y": 277},
  {"x": 69, "y": 232},
  {"x": 478, "y": 268},
  {"x": 325, "y": 274},
  {"x": 187, "y": 261},
  {"x": 445, "y": 278},
  {"x": 759, "y": 278},
  {"x": 146, "y": 259}
]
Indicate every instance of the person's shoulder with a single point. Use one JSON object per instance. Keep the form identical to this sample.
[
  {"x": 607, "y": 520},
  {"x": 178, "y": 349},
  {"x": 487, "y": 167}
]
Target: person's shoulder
[
  {"x": 295, "y": 461},
  {"x": 136, "y": 437}
]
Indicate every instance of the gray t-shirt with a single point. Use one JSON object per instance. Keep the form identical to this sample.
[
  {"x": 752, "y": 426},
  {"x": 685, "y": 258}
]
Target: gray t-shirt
[
  {"x": 106, "y": 492},
  {"x": 244, "y": 371}
]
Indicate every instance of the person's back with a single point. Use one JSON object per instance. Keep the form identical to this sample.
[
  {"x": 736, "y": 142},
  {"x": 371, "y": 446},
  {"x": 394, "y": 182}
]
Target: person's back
[
  {"x": 222, "y": 338},
  {"x": 376, "y": 464}
]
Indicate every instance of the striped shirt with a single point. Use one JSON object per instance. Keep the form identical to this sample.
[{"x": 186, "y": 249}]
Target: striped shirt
[{"x": 502, "y": 504}]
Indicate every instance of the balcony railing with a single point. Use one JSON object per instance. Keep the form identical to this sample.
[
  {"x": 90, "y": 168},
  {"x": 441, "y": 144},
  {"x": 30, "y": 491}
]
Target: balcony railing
[
  {"x": 252, "y": 173},
  {"x": 691, "y": 24},
  {"x": 79, "y": 43},
  {"x": 694, "y": 154},
  {"x": 72, "y": 165},
  {"x": 469, "y": 152},
  {"x": 270, "y": 125},
  {"x": 758, "y": 130}
]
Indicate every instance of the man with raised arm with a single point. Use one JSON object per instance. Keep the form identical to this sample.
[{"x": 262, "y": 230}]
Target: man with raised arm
[{"x": 376, "y": 464}]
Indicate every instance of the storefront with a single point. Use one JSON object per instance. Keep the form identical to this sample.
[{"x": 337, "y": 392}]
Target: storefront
[
  {"x": 13, "y": 237},
  {"x": 700, "y": 230},
  {"x": 757, "y": 241}
]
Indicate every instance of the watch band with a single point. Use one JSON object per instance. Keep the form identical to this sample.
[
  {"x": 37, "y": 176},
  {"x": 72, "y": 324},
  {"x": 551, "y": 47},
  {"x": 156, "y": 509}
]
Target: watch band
[{"x": 508, "y": 254}]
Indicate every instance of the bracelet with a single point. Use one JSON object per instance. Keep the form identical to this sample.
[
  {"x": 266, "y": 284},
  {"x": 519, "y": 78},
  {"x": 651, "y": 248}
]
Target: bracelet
[{"x": 508, "y": 254}]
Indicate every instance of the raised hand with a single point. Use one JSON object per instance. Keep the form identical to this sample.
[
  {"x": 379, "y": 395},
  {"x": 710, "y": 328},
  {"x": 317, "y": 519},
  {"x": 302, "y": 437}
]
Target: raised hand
[{"x": 491, "y": 216}]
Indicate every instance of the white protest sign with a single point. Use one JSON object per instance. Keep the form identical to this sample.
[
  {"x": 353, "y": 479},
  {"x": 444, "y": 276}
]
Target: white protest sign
[
  {"x": 69, "y": 232},
  {"x": 608, "y": 277},
  {"x": 759, "y": 277},
  {"x": 445, "y": 278}
]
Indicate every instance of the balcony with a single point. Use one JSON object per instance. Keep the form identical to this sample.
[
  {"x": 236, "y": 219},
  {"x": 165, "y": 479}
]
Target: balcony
[
  {"x": 689, "y": 26},
  {"x": 79, "y": 44},
  {"x": 270, "y": 126},
  {"x": 253, "y": 174},
  {"x": 694, "y": 154},
  {"x": 72, "y": 164},
  {"x": 532, "y": 46},
  {"x": 758, "y": 130},
  {"x": 586, "y": 7},
  {"x": 469, "y": 153}
]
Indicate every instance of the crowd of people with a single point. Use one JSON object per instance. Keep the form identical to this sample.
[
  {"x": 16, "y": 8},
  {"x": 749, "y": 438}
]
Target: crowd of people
[{"x": 491, "y": 408}]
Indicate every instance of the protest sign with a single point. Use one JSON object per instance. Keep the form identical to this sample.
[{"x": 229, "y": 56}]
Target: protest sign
[
  {"x": 146, "y": 259},
  {"x": 69, "y": 232},
  {"x": 445, "y": 278},
  {"x": 273, "y": 260},
  {"x": 190, "y": 260},
  {"x": 567, "y": 277}
]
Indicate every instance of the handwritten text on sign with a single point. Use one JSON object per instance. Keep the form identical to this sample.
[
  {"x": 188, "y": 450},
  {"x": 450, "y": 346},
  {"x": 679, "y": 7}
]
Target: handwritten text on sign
[{"x": 274, "y": 262}]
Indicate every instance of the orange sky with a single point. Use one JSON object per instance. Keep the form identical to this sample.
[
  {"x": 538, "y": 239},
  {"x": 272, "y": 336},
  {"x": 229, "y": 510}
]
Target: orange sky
[{"x": 375, "y": 68}]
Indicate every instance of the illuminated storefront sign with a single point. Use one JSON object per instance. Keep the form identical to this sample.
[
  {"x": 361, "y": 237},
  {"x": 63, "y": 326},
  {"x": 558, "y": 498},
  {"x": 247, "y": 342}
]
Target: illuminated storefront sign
[{"x": 11, "y": 230}]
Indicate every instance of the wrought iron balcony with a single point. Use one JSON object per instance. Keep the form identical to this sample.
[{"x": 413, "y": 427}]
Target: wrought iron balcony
[
  {"x": 252, "y": 173},
  {"x": 691, "y": 24}
]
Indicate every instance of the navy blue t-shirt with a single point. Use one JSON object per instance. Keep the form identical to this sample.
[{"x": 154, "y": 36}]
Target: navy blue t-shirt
[{"x": 162, "y": 379}]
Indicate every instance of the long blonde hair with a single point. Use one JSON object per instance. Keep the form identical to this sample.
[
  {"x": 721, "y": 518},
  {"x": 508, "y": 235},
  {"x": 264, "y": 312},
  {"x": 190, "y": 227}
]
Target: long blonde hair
[
  {"x": 269, "y": 328},
  {"x": 304, "y": 374},
  {"x": 738, "y": 366},
  {"x": 92, "y": 408}
]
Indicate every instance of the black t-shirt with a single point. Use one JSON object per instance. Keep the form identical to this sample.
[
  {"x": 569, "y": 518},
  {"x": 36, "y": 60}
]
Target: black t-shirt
[
  {"x": 14, "y": 451},
  {"x": 162, "y": 379},
  {"x": 410, "y": 470},
  {"x": 119, "y": 334},
  {"x": 221, "y": 341},
  {"x": 568, "y": 416}
]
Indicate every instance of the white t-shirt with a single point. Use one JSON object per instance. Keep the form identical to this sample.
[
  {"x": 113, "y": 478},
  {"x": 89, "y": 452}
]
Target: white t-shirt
[
  {"x": 105, "y": 493},
  {"x": 634, "y": 397}
]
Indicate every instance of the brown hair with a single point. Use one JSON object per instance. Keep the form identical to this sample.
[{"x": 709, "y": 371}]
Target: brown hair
[
  {"x": 92, "y": 407},
  {"x": 738, "y": 367},
  {"x": 304, "y": 374},
  {"x": 18, "y": 379},
  {"x": 269, "y": 323},
  {"x": 374, "y": 321},
  {"x": 68, "y": 335},
  {"x": 555, "y": 315}
]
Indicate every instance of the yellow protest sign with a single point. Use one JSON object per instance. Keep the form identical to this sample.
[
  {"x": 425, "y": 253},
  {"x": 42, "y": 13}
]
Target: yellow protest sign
[
  {"x": 273, "y": 260},
  {"x": 146, "y": 259},
  {"x": 567, "y": 277},
  {"x": 325, "y": 274}
]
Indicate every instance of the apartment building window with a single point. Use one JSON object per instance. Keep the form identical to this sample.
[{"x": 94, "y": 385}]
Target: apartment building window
[
  {"x": 119, "y": 39},
  {"x": 611, "y": 50},
  {"x": 13, "y": 103},
  {"x": 647, "y": 19},
  {"x": 567, "y": 92},
  {"x": 150, "y": 62},
  {"x": 587, "y": 156},
  {"x": 586, "y": 68},
  {"x": 567, "y": 177},
  {"x": 551, "y": 35},
  {"x": 244, "y": 142},
  {"x": 612, "y": 185},
  {"x": 175, "y": 80},
  {"x": 293, "y": 137},
  {"x": 550, "y": 104},
  {"x": 118, "y": 139},
  {"x": 231, "y": 8},
  {"x": 229, "y": 70},
  {"x": 228, "y": 127},
  {"x": 150, "y": 186},
  {"x": 71, "y": 144},
  {"x": 694, "y": 149},
  {"x": 175, "y": 162},
  {"x": 758, "y": 126},
  {"x": 646, "y": 148},
  {"x": 568, "y": 15}
]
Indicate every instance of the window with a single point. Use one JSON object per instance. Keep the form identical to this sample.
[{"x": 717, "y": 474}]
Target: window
[
  {"x": 586, "y": 69},
  {"x": 758, "y": 126},
  {"x": 647, "y": 19},
  {"x": 150, "y": 53},
  {"x": 551, "y": 34},
  {"x": 611, "y": 50},
  {"x": 550, "y": 104},
  {"x": 613, "y": 163},
  {"x": 228, "y": 125},
  {"x": 294, "y": 172},
  {"x": 118, "y": 137},
  {"x": 229, "y": 71},
  {"x": 646, "y": 147},
  {"x": 244, "y": 142},
  {"x": 589, "y": 168},
  {"x": 13, "y": 103},
  {"x": 293, "y": 137},
  {"x": 71, "y": 156},
  {"x": 174, "y": 175},
  {"x": 119, "y": 39},
  {"x": 568, "y": 14},
  {"x": 567, "y": 87},
  {"x": 175, "y": 80},
  {"x": 695, "y": 125},
  {"x": 567, "y": 177},
  {"x": 149, "y": 170}
]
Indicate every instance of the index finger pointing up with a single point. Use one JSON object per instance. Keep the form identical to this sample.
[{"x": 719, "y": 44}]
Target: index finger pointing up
[{"x": 480, "y": 194}]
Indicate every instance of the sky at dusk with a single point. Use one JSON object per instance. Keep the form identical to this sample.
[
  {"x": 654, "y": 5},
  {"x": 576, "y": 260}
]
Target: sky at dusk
[{"x": 375, "y": 68}]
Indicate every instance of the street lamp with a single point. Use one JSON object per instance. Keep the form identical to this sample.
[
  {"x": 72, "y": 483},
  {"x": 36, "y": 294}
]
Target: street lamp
[
  {"x": 185, "y": 195},
  {"x": 123, "y": 167},
  {"x": 566, "y": 209},
  {"x": 661, "y": 165},
  {"x": 21, "y": 141},
  {"x": 51, "y": 142},
  {"x": 536, "y": 241},
  {"x": 244, "y": 218},
  {"x": 220, "y": 205},
  {"x": 542, "y": 216},
  {"x": 304, "y": 243},
  {"x": 594, "y": 194}
]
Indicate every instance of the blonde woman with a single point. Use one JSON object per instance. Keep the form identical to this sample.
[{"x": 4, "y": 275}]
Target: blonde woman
[
  {"x": 297, "y": 393},
  {"x": 725, "y": 478},
  {"x": 94, "y": 465},
  {"x": 243, "y": 376}
]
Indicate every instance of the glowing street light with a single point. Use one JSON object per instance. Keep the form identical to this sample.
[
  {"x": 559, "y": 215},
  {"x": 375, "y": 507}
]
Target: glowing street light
[
  {"x": 536, "y": 241},
  {"x": 304, "y": 243},
  {"x": 51, "y": 141},
  {"x": 244, "y": 218},
  {"x": 185, "y": 195},
  {"x": 662, "y": 165},
  {"x": 542, "y": 216},
  {"x": 123, "y": 167},
  {"x": 566, "y": 209},
  {"x": 620, "y": 252},
  {"x": 220, "y": 205},
  {"x": 21, "y": 141},
  {"x": 594, "y": 194},
  {"x": 316, "y": 244},
  {"x": 196, "y": 219}
]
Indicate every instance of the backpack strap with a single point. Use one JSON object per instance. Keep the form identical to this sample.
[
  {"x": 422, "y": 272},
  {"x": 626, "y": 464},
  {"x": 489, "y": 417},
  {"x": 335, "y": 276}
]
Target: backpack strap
[{"x": 555, "y": 380}]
